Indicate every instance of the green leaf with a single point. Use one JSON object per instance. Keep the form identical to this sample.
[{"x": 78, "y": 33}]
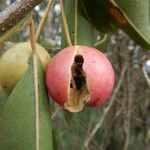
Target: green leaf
[
  {"x": 97, "y": 14},
  {"x": 55, "y": 147},
  {"x": 85, "y": 31},
  {"x": 133, "y": 17},
  {"x": 25, "y": 122}
]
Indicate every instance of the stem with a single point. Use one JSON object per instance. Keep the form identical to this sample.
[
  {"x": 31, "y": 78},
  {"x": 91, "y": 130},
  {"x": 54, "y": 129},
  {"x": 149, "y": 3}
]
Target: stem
[
  {"x": 43, "y": 20},
  {"x": 32, "y": 36},
  {"x": 64, "y": 20},
  {"x": 127, "y": 121},
  {"x": 104, "y": 38},
  {"x": 35, "y": 73},
  {"x": 76, "y": 22},
  {"x": 37, "y": 124}
]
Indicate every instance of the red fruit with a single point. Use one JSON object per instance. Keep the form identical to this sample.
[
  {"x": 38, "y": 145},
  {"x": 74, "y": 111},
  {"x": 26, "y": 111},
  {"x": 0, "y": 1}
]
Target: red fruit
[{"x": 79, "y": 75}]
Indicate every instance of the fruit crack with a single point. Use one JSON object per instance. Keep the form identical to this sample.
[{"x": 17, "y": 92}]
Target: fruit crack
[
  {"x": 78, "y": 93},
  {"x": 77, "y": 72}
]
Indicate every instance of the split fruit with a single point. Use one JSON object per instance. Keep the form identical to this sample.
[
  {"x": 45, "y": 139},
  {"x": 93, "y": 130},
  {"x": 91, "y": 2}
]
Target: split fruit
[
  {"x": 78, "y": 76},
  {"x": 14, "y": 63}
]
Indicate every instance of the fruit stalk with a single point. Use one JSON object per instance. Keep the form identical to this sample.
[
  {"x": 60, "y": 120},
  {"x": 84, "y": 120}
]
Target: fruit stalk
[
  {"x": 65, "y": 25},
  {"x": 32, "y": 36}
]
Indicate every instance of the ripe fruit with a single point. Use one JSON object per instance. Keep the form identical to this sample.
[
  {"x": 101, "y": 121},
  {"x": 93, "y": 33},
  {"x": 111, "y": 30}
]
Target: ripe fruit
[
  {"x": 79, "y": 75},
  {"x": 14, "y": 63}
]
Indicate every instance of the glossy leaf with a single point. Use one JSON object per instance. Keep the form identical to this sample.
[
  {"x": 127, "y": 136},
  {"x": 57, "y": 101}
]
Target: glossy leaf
[
  {"x": 133, "y": 17},
  {"x": 22, "y": 127},
  {"x": 130, "y": 15},
  {"x": 97, "y": 14}
]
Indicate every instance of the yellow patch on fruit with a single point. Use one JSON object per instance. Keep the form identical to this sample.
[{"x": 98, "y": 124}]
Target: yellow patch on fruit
[{"x": 14, "y": 63}]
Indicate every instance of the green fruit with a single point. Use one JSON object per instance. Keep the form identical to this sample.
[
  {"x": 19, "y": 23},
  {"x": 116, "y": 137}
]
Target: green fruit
[{"x": 14, "y": 63}]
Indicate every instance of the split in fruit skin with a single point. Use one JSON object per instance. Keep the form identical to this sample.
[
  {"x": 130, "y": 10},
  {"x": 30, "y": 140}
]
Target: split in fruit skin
[{"x": 78, "y": 92}]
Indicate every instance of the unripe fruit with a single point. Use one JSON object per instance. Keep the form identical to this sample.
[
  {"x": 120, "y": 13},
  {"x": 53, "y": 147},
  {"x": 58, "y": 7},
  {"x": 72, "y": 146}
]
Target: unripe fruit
[
  {"x": 14, "y": 63},
  {"x": 78, "y": 76}
]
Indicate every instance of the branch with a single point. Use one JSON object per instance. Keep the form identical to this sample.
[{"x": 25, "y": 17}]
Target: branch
[
  {"x": 127, "y": 121},
  {"x": 15, "y": 12}
]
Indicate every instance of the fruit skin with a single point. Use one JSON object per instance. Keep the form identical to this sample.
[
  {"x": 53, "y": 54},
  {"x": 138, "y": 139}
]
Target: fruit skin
[
  {"x": 14, "y": 63},
  {"x": 98, "y": 69}
]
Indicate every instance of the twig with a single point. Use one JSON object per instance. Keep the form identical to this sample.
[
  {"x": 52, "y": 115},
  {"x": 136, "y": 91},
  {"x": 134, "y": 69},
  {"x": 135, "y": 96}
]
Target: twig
[
  {"x": 43, "y": 20},
  {"x": 99, "y": 147},
  {"x": 133, "y": 117},
  {"x": 101, "y": 41},
  {"x": 32, "y": 36},
  {"x": 146, "y": 75},
  {"x": 65, "y": 25},
  {"x": 15, "y": 12},
  {"x": 55, "y": 113},
  {"x": 112, "y": 121},
  {"x": 127, "y": 123},
  {"x": 76, "y": 23},
  {"x": 112, "y": 99}
]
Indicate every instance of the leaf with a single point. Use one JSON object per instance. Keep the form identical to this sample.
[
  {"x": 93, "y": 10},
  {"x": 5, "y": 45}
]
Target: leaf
[
  {"x": 97, "y": 14},
  {"x": 55, "y": 147},
  {"x": 85, "y": 31},
  {"x": 133, "y": 17},
  {"x": 25, "y": 122}
]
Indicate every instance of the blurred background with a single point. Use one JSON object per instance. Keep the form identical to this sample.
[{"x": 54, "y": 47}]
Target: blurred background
[{"x": 123, "y": 122}]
